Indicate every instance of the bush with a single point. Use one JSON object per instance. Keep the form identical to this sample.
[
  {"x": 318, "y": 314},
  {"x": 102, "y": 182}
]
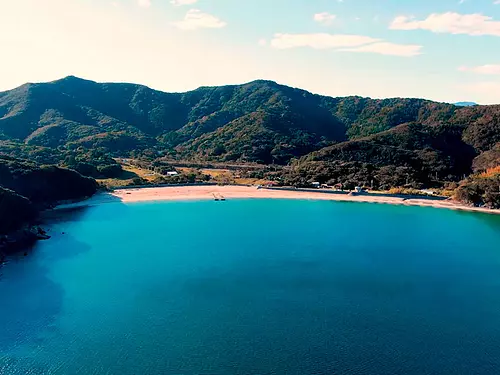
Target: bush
[{"x": 480, "y": 191}]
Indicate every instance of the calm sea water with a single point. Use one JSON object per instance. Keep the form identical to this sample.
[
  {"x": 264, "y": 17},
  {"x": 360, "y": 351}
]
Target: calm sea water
[{"x": 256, "y": 287}]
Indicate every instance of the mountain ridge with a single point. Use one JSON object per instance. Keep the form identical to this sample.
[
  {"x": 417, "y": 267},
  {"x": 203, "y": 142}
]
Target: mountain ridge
[
  {"x": 255, "y": 81},
  {"x": 78, "y": 110},
  {"x": 258, "y": 122}
]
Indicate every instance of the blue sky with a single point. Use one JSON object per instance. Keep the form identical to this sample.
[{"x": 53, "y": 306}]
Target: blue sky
[{"x": 445, "y": 50}]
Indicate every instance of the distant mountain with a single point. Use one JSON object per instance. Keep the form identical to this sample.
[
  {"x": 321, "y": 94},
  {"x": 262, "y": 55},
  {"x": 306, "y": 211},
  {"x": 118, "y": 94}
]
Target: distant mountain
[
  {"x": 261, "y": 122},
  {"x": 465, "y": 104}
]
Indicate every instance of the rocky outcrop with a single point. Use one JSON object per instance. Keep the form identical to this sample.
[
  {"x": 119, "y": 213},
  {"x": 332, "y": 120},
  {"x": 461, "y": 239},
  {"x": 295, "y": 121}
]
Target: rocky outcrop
[
  {"x": 21, "y": 238},
  {"x": 25, "y": 190}
]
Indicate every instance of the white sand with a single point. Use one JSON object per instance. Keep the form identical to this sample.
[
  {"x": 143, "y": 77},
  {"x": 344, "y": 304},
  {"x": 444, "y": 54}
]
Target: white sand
[{"x": 231, "y": 192}]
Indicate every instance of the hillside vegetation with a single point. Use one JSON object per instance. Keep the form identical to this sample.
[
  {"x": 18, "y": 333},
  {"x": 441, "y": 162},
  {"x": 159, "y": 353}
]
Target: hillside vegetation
[
  {"x": 26, "y": 188},
  {"x": 256, "y": 122},
  {"x": 44, "y": 185},
  {"x": 415, "y": 143}
]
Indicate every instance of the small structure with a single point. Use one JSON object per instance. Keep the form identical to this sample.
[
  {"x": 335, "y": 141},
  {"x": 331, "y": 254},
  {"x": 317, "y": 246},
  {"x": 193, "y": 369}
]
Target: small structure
[
  {"x": 316, "y": 185},
  {"x": 427, "y": 191},
  {"x": 173, "y": 173},
  {"x": 358, "y": 189},
  {"x": 271, "y": 184}
]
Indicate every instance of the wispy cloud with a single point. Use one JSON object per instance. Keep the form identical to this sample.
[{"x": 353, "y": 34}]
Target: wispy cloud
[
  {"x": 324, "y": 18},
  {"x": 482, "y": 69},
  {"x": 343, "y": 42},
  {"x": 179, "y": 3},
  {"x": 391, "y": 49},
  {"x": 319, "y": 41},
  {"x": 196, "y": 19},
  {"x": 144, "y": 3},
  {"x": 451, "y": 23}
]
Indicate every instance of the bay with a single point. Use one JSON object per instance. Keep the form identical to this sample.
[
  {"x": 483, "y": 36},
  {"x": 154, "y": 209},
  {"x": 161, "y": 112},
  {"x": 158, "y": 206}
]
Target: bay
[{"x": 255, "y": 287}]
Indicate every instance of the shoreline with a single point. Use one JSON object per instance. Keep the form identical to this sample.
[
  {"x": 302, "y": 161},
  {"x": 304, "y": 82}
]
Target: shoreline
[{"x": 208, "y": 192}]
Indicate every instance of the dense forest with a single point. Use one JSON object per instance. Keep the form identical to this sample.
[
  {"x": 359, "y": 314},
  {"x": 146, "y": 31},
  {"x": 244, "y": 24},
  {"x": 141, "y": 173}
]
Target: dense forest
[
  {"x": 256, "y": 122},
  {"x": 415, "y": 143},
  {"x": 26, "y": 188}
]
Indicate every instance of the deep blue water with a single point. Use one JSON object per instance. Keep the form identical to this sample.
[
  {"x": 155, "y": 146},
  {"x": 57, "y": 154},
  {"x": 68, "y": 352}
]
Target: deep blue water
[{"x": 256, "y": 287}]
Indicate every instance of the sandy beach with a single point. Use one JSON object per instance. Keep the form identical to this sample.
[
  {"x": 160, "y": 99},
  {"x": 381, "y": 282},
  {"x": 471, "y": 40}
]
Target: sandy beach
[{"x": 235, "y": 192}]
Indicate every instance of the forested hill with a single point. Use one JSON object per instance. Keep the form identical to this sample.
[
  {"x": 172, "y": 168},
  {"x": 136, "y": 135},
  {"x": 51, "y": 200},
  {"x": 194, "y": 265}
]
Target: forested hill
[
  {"x": 26, "y": 188},
  {"x": 392, "y": 142},
  {"x": 261, "y": 121}
]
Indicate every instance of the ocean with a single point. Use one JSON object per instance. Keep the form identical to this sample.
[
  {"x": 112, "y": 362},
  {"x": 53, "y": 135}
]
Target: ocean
[{"x": 255, "y": 287}]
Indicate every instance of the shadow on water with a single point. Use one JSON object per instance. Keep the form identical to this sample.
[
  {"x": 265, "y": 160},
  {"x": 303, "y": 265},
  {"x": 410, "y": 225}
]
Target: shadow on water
[
  {"x": 491, "y": 220},
  {"x": 76, "y": 213},
  {"x": 31, "y": 300}
]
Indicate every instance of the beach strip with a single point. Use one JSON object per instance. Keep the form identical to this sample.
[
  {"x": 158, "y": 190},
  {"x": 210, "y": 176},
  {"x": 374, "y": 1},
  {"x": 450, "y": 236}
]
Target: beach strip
[{"x": 180, "y": 193}]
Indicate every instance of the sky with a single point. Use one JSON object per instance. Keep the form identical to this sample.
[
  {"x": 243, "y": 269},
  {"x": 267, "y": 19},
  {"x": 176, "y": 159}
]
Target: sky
[{"x": 444, "y": 50}]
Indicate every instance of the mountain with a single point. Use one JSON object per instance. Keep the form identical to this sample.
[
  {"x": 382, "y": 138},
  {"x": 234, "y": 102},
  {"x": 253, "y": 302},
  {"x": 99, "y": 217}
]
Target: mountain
[
  {"x": 123, "y": 117},
  {"x": 256, "y": 122},
  {"x": 83, "y": 124},
  {"x": 465, "y": 104}
]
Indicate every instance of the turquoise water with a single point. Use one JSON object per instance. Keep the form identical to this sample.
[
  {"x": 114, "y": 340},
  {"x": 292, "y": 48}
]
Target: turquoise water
[{"x": 256, "y": 287}]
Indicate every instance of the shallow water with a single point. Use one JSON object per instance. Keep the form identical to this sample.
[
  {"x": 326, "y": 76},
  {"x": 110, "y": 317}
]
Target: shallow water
[{"x": 256, "y": 287}]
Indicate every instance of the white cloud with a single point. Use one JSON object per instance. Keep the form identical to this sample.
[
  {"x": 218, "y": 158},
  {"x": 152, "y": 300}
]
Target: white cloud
[
  {"x": 262, "y": 42},
  {"x": 497, "y": 2},
  {"x": 391, "y": 49},
  {"x": 482, "y": 69},
  {"x": 345, "y": 43},
  {"x": 451, "y": 23},
  {"x": 179, "y": 3},
  {"x": 144, "y": 3},
  {"x": 319, "y": 41},
  {"x": 196, "y": 19},
  {"x": 324, "y": 18}
]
